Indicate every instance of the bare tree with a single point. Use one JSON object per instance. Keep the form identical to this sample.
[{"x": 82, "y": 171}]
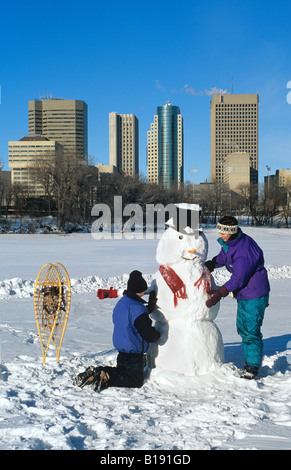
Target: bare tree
[
  {"x": 5, "y": 190},
  {"x": 42, "y": 170},
  {"x": 68, "y": 180}
]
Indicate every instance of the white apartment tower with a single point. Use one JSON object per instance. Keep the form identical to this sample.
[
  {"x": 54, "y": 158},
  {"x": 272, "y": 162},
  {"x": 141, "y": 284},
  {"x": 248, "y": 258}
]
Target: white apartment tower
[
  {"x": 152, "y": 152},
  {"x": 123, "y": 143}
]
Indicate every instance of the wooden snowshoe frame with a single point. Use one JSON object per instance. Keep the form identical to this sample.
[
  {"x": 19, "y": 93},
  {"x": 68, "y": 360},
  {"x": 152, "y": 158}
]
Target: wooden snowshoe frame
[{"x": 52, "y": 299}]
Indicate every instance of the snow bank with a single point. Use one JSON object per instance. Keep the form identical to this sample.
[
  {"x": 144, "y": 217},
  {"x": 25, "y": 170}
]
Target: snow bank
[
  {"x": 19, "y": 288},
  {"x": 44, "y": 225}
]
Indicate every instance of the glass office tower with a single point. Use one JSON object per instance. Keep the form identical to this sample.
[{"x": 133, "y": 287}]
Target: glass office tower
[{"x": 165, "y": 147}]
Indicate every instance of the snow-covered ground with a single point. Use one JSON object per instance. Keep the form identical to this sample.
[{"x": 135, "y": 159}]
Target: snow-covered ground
[{"x": 41, "y": 409}]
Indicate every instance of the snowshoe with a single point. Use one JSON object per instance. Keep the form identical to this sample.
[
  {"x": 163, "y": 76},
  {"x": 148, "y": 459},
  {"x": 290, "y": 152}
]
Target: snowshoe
[
  {"x": 87, "y": 377},
  {"x": 249, "y": 372}
]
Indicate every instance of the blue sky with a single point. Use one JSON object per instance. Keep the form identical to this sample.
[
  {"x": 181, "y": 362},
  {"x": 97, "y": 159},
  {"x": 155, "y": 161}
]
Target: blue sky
[{"x": 131, "y": 57}]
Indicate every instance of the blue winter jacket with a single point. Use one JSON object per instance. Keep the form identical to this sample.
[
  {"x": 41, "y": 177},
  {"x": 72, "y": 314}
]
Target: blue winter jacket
[
  {"x": 129, "y": 313},
  {"x": 244, "y": 259}
]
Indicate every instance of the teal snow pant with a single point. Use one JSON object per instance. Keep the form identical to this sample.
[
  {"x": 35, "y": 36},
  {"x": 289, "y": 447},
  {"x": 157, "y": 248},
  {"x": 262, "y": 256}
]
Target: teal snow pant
[{"x": 250, "y": 315}]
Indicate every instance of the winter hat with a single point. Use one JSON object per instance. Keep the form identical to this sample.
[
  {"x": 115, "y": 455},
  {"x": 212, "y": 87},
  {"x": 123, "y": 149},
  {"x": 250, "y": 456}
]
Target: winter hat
[
  {"x": 227, "y": 224},
  {"x": 136, "y": 282}
]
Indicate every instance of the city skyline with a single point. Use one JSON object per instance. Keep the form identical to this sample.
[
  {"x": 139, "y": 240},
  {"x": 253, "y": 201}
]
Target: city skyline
[{"x": 183, "y": 53}]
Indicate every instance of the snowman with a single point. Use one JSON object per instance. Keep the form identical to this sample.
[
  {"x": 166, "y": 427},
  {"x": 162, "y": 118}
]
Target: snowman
[{"x": 190, "y": 342}]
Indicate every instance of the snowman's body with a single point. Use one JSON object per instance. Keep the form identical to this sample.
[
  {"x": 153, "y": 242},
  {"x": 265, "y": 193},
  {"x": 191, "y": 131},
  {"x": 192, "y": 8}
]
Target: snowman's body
[{"x": 190, "y": 341}]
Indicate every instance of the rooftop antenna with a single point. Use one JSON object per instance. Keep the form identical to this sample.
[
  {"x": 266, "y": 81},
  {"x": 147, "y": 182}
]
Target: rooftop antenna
[
  {"x": 232, "y": 84},
  {"x": 47, "y": 97}
]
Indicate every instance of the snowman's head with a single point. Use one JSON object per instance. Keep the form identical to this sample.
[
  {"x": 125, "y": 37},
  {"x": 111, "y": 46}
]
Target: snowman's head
[{"x": 175, "y": 246}]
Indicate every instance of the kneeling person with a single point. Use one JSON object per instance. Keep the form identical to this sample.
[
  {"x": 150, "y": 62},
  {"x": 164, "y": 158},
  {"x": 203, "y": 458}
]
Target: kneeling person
[{"x": 132, "y": 333}]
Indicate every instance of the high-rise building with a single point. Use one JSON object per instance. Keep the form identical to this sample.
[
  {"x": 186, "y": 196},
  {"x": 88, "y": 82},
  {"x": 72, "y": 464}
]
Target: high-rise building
[
  {"x": 238, "y": 172},
  {"x": 165, "y": 147},
  {"x": 60, "y": 120},
  {"x": 281, "y": 179},
  {"x": 234, "y": 130},
  {"x": 152, "y": 152},
  {"x": 24, "y": 154},
  {"x": 123, "y": 143}
]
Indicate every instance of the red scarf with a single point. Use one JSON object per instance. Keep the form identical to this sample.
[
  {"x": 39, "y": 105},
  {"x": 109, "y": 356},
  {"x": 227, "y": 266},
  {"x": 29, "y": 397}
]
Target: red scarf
[
  {"x": 174, "y": 282},
  {"x": 205, "y": 281}
]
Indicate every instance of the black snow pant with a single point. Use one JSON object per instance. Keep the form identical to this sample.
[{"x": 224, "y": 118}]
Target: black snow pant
[{"x": 129, "y": 371}]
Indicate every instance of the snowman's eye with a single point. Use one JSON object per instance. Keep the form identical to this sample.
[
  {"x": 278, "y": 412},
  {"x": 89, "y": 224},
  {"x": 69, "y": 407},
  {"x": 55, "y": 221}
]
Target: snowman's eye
[{"x": 181, "y": 237}]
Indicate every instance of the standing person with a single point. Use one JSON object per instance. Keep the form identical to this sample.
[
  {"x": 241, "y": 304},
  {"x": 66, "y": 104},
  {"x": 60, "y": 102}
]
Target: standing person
[
  {"x": 132, "y": 333},
  {"x": 249, "y": 284}
]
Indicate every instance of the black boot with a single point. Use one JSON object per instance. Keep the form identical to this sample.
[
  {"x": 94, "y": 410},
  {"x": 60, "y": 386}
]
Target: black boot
[
  {"x": 249, "y": 372},
  {"x": 100, "y": 381},
  {"x": 87, "y": 377}
]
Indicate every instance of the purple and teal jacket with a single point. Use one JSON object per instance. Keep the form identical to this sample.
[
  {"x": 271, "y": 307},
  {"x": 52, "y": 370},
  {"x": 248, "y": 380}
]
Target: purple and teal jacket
[{"x": 244, "y": 259}]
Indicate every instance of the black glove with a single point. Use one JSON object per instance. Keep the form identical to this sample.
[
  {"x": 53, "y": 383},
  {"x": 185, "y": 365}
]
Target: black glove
[
  {"x": 216, "y": 296},
  {"x": 152, "y": 301},
  {"x": 210, "y": 265}
]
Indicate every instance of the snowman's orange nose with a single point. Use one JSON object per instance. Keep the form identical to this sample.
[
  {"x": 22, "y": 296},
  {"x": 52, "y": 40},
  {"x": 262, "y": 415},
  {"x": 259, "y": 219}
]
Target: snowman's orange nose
[{"x": 192, "y": 251}]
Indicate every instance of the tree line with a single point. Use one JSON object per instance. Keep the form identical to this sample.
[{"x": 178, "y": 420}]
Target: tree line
[{"x": 72, "y": 186}]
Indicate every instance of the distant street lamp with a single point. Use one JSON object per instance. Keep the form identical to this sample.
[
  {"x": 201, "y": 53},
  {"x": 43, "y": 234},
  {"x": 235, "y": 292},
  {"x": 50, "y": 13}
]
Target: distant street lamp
[
  {"x": 268, "y": 169},
  {"x": 230, "y": 170}
]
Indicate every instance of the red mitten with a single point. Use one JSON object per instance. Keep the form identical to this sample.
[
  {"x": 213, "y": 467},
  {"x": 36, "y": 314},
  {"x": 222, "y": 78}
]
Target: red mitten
[
  {"x": 216, "y": 296},
  {"x": 107, "y": 293}
]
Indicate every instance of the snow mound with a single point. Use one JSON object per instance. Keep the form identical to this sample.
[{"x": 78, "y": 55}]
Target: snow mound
[{"x": 19, "y": 288}]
